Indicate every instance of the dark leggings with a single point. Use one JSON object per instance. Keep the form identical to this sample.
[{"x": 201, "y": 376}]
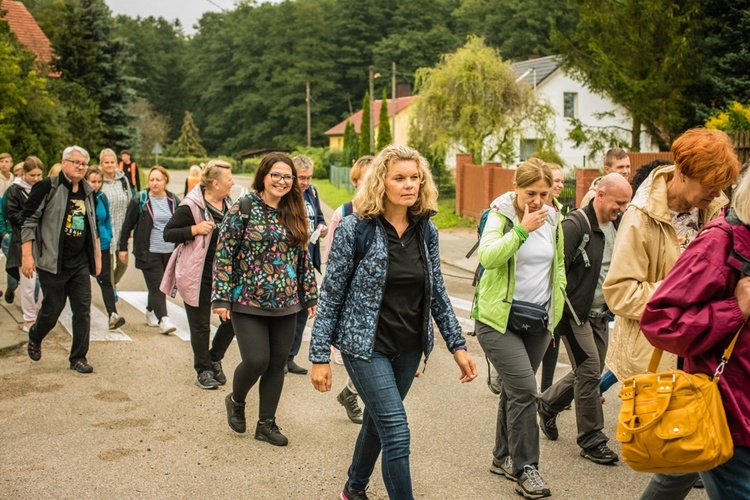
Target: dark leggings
[
  {"x": 105, "y": 283},
  {"x": 264, "y": 343},
  {"x": 549, "y": 362},
  {"x": 153, "y": 272},
  {"x": 199, "y": 319}
]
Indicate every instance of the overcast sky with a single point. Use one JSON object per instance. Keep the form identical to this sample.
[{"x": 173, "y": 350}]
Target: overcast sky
[{"x": 187, "y": 11}]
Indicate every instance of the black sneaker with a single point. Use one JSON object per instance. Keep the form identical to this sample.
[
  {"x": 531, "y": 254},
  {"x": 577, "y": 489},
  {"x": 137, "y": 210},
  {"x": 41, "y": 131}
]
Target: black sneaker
[
  {"x": 235, "y": 414},
  {"x": 206, "y": 380},
  {"x": 600, "y": 454},
  {"x": 268, "y": 431},
  {"x": 82, "y": 366},
  {"x": 293, "y": 367},
  {"x": 35, "y": 350},
  {"x": 504, "y": 468},
  {"x": 218, "y": 372},
  {"x": 530, "y": 483},
  {"x": 548, "y": 423},
  {"x": 348, "y": 400},
  {"x": 9, "y": 295},
  {"x": 350, "y": 494}
]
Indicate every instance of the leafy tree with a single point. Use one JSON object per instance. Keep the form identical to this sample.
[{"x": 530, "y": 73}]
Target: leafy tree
[
  {"x": 471, "y": 100},
  {"x": 384, "y": 125},
  {"x": 735, "y": 117},
  {"x": 351, "y": 145},
  {"x": 152, "y": 127},
  {"x": 643, "y": 66},
  {"x": 189, "y": 142},
  {"x": 364, "y": 127}
]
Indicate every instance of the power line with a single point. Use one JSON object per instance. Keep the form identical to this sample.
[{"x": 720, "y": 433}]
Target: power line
[{"x": 216, "y": 5}]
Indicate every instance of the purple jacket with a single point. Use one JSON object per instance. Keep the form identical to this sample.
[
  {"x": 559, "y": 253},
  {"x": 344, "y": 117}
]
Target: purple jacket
[{"x": 694, "y": 314}]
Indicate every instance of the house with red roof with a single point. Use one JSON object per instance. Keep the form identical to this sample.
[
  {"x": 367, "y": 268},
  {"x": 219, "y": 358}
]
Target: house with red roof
[
  {"x": 401, "y": 109},
  {"x": 28, "y": 32}
]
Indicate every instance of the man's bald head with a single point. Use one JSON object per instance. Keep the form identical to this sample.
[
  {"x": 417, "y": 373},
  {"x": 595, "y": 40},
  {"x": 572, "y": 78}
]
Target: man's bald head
[{"x": 613, "y": 195}]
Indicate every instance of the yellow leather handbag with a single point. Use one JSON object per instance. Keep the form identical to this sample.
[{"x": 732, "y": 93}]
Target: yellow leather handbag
[{"x": 674, "y": 421}]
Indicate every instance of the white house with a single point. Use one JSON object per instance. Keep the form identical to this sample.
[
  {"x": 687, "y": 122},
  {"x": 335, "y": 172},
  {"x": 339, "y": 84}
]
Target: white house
[{"x": 570, "y": 98}]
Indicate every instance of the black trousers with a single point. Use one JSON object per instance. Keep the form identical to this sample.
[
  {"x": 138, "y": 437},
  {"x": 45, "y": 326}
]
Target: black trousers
[
  {"x": 549, "y": 362},
  {"x": 74, "y": 285},
  {"x": 199, "y": 319},
  {"x": 105, "y": 283},
  {"x": 153, "y": 272}
]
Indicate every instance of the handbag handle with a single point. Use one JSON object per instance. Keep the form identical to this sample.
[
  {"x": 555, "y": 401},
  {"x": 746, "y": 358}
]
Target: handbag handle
[{"x": 664, "y": 395}]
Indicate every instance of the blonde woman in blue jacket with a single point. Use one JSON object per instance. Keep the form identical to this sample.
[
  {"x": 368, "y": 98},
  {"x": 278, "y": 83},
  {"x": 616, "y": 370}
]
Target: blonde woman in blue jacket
[{"x": 521, "y": 244}]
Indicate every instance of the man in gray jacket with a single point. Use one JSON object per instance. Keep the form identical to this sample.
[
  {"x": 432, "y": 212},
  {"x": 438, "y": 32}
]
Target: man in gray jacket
[{"x": 60, "y": 242}]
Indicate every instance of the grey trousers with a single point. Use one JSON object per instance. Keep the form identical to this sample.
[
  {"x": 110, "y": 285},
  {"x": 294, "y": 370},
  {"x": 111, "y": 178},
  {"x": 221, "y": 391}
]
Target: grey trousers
[
  {"x": 516, "y": 359},
  {"x": 587, "y": 348},
  {"x": 670, "y": 486}
]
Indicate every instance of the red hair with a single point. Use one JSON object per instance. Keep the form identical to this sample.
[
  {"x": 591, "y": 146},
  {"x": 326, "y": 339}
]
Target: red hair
[{"x": 706, "y": 156}]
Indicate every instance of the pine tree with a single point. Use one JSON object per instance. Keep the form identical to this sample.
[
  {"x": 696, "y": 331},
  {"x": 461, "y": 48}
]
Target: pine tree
[
  {"x": 384, "y": 126},
  {"x": 189, "y": 142},
  {"x": 351, "y": 145},
  {"x": 364, "y": 128}
]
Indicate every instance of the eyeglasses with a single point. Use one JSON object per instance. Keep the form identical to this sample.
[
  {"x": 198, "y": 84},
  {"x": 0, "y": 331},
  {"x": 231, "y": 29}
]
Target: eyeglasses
[
  {"x": 78, "y": 164},
  {"x": 276, "y": 177}
]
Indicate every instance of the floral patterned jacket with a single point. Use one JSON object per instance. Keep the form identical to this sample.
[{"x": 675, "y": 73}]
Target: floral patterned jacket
[{"x": 256, "y": 268}]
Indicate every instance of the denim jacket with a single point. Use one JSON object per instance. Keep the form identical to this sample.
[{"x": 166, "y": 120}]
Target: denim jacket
[{"x": 350, "y": 299}]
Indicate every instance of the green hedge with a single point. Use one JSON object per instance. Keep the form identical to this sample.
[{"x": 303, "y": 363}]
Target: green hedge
[{"x": 178, "y": 163}]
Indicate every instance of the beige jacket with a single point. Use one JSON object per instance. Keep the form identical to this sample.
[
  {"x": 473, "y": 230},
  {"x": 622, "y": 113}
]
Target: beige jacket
[
  {"x": 590, "y": 193},
  {"x": 645, "y": 250}
]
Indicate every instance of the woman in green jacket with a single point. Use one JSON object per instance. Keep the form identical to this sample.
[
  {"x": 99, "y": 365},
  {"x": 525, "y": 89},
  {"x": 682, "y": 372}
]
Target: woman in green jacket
[{"x": 521, "y": 243}]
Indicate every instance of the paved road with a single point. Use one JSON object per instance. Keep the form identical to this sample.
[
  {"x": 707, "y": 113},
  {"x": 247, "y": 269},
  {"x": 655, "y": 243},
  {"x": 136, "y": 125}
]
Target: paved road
[{"x": 139, "y": 428}]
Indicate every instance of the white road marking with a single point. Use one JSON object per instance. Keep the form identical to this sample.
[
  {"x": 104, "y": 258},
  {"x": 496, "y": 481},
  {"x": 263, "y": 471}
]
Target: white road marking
[
  {"x": 99, "y": 325},
  {"x": 176, "y": 313}
]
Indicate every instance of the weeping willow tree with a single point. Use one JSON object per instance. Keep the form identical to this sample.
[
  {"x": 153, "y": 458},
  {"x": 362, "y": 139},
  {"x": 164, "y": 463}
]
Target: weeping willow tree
[{"x": 471, "y": 101}]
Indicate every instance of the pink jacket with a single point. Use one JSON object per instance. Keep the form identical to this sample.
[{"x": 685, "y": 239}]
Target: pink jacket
[
  {"x": 185, "y": 267},
  {"x": 694, "y": 314}
]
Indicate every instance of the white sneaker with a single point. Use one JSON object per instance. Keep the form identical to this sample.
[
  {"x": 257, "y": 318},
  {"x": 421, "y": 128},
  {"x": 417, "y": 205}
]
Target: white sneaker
[
  {"x": 151, "y": 319},
  {"x": 115, "y": 321},
  {"x": 166, "y": 326}
]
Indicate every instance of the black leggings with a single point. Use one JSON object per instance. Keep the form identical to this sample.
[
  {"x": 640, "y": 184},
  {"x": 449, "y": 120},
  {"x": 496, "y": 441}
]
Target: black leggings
[
  {"x": 153, "y": 272},
  {"x": 264, "y": 343},
  {"x": 105, "y": 283}
]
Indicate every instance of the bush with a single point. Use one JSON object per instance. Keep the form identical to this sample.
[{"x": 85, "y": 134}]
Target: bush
[
  {"x": 184, "y": 163},
  {"x": 249, "y": 166},
  {"x": 320, "y": 159}
]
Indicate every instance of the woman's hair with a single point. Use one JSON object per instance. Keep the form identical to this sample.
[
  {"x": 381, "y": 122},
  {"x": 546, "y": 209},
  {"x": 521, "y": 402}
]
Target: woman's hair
[
  {"x": 161, "y": 169},
  {"x": 554, "y": 166},
  {"x": 741, "y": 198},
  {"x": 643, "y": 172},
  {"x": 106, "y": 152},
  {"x": 355, "y": 174},
  {"x": 706, "y": 156},
  {"x": 32, "y": 163},
  {"x": 54, "y": 169},
  {"x": 292, "y": 211},
  {"x": 370, "y": 199},
  {"x": 196, "y": 171},
  {"x": 211, "y": 172},
  {"x": 94, "y": 170},
  {"x": 532, "y": 170}
]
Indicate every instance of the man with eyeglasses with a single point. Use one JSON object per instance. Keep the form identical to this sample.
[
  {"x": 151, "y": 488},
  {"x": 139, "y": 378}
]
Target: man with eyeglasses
[
  {"x": 318, "y": 229},
  {"x": 60, "y": 242}
]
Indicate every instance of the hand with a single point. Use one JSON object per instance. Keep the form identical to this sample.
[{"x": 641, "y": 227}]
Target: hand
[
  {"x": 468, "y": 368},
  {"x": 311, "y": 311},
  {"x": 28, "y": 267},
  {"x": 222, "y": 312},
  {"x": 742, "y": 294},
  {"x": 98, "y": 266},
  {"x": 123, "y": 256},
  {"x": 323, "y": 230},
  {"x": 202, "y": 228},
  {"x": 533, "y": 220},
  {"x": 320, "y": 376}
]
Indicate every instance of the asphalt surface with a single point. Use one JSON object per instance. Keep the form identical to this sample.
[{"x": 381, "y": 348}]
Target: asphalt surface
[{"x": 139, "y": 428}]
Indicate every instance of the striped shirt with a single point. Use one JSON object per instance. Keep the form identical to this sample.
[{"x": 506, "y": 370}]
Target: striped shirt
[
  {"x": 118, "y": 194},
  {"x": 162, "y": 214}
]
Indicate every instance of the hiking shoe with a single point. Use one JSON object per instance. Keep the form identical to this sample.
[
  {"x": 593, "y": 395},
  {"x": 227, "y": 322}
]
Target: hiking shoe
[
  {"x": 218, "y": 372},
  {"x": 530, "y": 483},
  {"x": 235, "y": 414},
  {"x": 115, "y": 321},
  {"x": 600, "y": 454},
  {"x": 504, "y": 468},
  {"x": 350, "y": 494},
  {"x": 548, "y": 424},
  {"x": 206, "y": 380},
  {"x": 151, "y": 319},
  {"x": 166, "y": 326},
  {"x": 268, "y": 431},
  {"x": 494, "y": 382},
  {"x": 348, "y": 400},
  {"x": 35, "y": 350},
  {"x": 9, "y": 295},
  {"x": 82, "y": 366},
  {"x": 293, "y": 367}
]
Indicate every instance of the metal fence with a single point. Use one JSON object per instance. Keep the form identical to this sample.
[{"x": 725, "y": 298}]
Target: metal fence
[
  {"x": 339, "y": 177},
  {"x": 568, "y": 195}
]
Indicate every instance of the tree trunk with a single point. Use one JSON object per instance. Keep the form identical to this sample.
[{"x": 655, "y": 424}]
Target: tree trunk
[{"x": 635, "y": 135}]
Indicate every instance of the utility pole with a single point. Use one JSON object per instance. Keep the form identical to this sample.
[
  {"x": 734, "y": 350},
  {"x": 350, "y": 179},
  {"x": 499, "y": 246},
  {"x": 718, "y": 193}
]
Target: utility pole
[
  {"x": 372, "y": 114},
  {"x": 307, "y": 100},
  {"x": 393, "y": 98}
]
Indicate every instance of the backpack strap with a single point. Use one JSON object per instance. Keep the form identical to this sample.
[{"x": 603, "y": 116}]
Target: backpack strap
[
  {"x": 244, "y": 212},
  {"x": 583, "y": 223},
  {"x": 364, "y": 233},
  {"x": 479, "y": 271},
  {"x": 347, "y": 209}
]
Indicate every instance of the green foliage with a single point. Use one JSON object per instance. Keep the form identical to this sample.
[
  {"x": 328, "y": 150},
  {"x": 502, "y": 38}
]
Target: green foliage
[
  {"x": 384, "y": 125},
  {"x": 447, "y": 216},
  {"x": 151, "y": 126},
  {"x": 250, "y": 165},
  {"x": 471, "y": 99},
  {"x": 595, "y": 139},
  {"x": 320, "y": 159},
  {"x": 184, "y": 163},
  {"x": 351, "y": 145},
  {"x": 332, "y": 196},
  {"x": 735, "y": 117},
  {"x": 189, "y": 142},
  {"x": 364, "y": 127}
]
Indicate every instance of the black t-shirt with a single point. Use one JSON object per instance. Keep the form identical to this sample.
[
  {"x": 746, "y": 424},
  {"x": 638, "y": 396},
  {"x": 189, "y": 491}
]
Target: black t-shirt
[
  {"x": 75, "y": 232},
  {"x": 400, "y": 321}
]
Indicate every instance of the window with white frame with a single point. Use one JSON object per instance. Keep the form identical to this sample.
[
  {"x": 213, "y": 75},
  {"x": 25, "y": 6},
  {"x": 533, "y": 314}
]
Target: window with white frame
[{"x": 570, "y": 104}]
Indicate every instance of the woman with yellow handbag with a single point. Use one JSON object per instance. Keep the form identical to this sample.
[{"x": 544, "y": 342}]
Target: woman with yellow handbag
[{"x": 696, "y": 313}]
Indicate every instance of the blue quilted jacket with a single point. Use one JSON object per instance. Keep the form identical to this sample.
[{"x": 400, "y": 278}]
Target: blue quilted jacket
[{"x": 350, "y": 299}]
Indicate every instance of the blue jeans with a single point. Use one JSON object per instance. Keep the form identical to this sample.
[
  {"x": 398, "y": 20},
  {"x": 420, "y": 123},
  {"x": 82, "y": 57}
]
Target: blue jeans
[
  {"x": 382, "y": 384},
  {"x": 607, "y": 381},
  {"x": 730, "y": 481}
]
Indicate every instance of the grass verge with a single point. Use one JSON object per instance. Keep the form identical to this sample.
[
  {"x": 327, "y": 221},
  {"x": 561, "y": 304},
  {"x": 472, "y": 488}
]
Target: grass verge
[{"x": 330, "y": 194}]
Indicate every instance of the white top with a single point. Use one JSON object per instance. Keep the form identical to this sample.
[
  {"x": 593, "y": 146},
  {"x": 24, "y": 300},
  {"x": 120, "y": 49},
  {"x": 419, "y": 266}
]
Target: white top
[{"x": 534, "y": 262}]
